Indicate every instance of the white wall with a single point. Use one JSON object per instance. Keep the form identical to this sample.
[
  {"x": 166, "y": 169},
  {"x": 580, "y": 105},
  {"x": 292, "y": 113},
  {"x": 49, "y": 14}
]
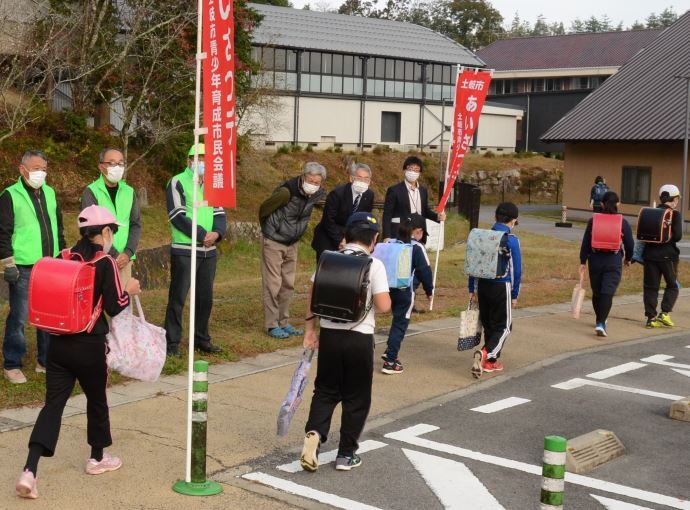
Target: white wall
[
  {"x": 327, "y": 121},
  {"x": 334, "y": 120}
]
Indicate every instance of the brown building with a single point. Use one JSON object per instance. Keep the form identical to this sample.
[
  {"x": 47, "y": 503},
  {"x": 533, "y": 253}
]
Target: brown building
[{"x": 631, "y": 129}]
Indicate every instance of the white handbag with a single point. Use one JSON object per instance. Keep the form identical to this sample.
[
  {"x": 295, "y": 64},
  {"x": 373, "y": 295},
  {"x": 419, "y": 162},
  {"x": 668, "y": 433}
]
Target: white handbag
[
  {"x": 578, "y": 297},
  {"x": 137, "y": 349}
]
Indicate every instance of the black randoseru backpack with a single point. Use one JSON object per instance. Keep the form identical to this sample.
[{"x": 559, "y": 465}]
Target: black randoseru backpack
[{"x": 341, "y": 286}]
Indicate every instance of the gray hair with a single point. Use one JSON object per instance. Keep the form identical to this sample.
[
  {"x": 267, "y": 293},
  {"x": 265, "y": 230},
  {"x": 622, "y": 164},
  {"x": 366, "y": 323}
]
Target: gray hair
[
  {"x": 359, "y": 166},
  {"x": 33, "y": 154},
  {"x": 314, "y": 168},
  {"x": 106, "y": 150}
]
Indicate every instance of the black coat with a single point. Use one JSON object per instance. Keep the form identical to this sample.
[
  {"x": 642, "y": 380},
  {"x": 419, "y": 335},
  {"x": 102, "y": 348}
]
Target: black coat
[
  {"x": 331, "y": 229},
  {"x": 397, "y": 205}
]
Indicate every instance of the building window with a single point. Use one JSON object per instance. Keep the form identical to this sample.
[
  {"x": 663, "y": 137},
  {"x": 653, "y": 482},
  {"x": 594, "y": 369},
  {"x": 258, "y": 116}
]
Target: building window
[
  {"x": 390, "y": 127},
  {"x": 636, "y": 185}
]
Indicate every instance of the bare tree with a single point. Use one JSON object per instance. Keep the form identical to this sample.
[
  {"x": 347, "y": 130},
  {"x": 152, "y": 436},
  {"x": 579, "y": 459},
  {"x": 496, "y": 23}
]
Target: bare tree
[{"x": 27, "y": 68}]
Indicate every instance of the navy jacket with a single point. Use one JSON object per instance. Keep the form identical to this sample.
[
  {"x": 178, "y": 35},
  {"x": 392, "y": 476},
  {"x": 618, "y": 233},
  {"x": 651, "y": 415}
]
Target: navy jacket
[{"x": 331, "y": 229}]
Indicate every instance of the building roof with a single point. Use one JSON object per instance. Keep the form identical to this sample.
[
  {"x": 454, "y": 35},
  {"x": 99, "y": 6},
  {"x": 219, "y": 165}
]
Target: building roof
[
  {"x": 643, "y": 101},
  {"x": 602, "y": 49},
  {"x": 324, "y": 31}
]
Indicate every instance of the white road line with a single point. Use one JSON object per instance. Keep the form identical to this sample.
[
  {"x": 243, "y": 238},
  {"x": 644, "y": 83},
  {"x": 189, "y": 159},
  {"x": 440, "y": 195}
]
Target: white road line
[
  {"x": 410, "y": 436},
  {"x": 684, "y": 372},
  {"x": 326, "y": 457},
  {"x": 662, "y": 359},
  {"x": 618, "y": 369},
  {"x": 613, "y": 504},
  {"x": 499, "y": 405},
  {"x": 454, "y": 484},
  {"x": 307, "y": 492},
  {"x": 579, "y": 383}
]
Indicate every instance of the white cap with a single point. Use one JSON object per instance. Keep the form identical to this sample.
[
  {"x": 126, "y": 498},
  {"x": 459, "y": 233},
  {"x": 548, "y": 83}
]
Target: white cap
[{"x": 671, "y": 189}]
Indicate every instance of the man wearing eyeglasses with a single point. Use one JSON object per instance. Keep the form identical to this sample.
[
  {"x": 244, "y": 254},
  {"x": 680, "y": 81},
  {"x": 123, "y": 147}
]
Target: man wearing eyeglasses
[
  {"x": 112, "y": 192},
  {"x": 341, "y": 203}
]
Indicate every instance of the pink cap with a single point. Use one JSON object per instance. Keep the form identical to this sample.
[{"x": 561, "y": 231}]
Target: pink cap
[{"x": 95, "y": 215}]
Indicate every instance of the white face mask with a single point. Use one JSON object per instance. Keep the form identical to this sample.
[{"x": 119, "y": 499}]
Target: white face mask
[
  {"x": 37, "y": 178},
  {"x": 359, "y": 187},
  {"x": 411, "y": 176},
  {"x": 309, "y": 189},
  {"x": 200, "y": 168},
  {"x": 115, "y": 173}
]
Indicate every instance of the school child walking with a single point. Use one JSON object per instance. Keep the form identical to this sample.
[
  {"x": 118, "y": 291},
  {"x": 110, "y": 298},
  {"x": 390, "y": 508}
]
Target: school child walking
[
  {"x": 81, "y": 357},
  {"x": 497, "y": 297},
  {"x": 605, "y": 261},
  {"x": 345, "y": 368},
  {"x": 661, "y": 259},
  {"x": 402, "y": 300}
]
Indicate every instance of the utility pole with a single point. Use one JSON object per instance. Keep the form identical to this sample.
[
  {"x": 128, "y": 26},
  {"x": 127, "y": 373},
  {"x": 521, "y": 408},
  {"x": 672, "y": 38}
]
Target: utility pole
[{"x": 684, "y": 192}]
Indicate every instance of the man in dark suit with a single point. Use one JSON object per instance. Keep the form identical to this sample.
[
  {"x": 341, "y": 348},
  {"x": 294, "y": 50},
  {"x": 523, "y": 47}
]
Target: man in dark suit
[
  {"x": 355, "y": 196},
  {"x": 406, "y": 198}
]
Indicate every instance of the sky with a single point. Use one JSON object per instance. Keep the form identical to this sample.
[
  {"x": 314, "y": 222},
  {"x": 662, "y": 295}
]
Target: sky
[{"x": 626, "y": 11}]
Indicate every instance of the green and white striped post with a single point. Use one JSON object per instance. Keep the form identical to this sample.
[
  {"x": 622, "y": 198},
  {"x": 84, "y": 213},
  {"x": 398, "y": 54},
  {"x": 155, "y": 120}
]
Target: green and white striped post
[
  {"x": 199, "y": 485},
  {"x": 553, "y": 473}
]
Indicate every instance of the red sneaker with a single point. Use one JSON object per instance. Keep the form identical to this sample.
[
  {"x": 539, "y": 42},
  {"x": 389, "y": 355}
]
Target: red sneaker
[{"x": 492, "y": 366}]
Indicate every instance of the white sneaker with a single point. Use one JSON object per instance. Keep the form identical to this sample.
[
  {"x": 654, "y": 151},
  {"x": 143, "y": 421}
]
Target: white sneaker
[
  {"x": 15, "y": 376},
  {"x": 309, "y": 460},
  {"x": 40, "y": 369}
]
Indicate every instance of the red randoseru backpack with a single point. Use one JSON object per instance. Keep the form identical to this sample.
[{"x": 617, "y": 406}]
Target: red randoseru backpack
[
  {"x": 61, "y": 294},
  {"x": 607, "y": 231}
]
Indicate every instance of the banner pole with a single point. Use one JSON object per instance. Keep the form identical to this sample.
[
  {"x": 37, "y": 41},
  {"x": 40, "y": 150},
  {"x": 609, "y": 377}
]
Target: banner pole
[
  {"x": 192, "y": 284},
  {"x": 441, "y": 231}
]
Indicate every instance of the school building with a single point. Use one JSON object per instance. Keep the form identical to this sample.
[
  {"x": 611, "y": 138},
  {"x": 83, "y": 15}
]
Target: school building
[
  {"x": 333, "y": 80},
  {"x": 631, "y": 129}
]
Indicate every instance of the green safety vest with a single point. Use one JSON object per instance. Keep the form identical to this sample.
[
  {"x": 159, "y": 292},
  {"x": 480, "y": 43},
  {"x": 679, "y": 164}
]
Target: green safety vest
[
  {"x": 204, "y": 214},
  {"x": 26, "y": 236},
  {"x": 121, "y": 209}
]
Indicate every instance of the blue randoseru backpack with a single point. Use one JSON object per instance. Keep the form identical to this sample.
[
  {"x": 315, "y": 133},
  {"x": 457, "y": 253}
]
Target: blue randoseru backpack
[
  {"x": 487, "y": 254},
  {"x": 397, "y": 259}
]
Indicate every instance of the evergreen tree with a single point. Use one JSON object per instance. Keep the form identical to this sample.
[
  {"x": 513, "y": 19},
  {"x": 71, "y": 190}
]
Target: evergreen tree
[
  {"x": 667, "y": 17},
  {"x": 540, "y": 26}
]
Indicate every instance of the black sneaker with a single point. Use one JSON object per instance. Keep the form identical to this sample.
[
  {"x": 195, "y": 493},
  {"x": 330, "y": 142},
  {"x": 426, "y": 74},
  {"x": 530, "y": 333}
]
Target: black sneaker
[
  {"x": 392, "y": 367},
  {"x": 173, "y": 352},
  {"x": 384, "y": 356},
  {"x": 343, "y": 463},
  {"x": 207, "y": 347}
]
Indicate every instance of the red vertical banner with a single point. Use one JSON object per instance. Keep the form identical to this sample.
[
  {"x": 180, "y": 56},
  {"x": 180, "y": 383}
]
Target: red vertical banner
[
  {"x": 470, "y": 93},
  {"x": 219, "y": 103}
]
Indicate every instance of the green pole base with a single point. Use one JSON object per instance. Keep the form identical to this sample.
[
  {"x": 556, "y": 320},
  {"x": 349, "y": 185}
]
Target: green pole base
[{"x": 207, "y": 488}]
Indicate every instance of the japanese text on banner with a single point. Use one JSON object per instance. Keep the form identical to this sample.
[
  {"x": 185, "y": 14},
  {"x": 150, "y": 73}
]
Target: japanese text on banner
[
  {"x": 219, "y": 103},
  {"x": 470, "y": 94}
]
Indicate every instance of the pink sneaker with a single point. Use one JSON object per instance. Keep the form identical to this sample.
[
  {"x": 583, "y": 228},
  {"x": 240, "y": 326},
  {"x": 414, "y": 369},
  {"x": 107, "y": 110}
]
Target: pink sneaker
[
  {"x": 27, "y": 485},
  {"x": 109, "y": 463}
]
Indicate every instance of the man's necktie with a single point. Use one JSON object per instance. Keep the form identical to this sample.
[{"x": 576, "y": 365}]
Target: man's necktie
[{"x": 355, "y": 205}]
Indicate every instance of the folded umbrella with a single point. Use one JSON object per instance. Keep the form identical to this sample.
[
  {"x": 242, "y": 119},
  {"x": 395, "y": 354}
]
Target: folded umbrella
[{"x": 293, "y": 398}]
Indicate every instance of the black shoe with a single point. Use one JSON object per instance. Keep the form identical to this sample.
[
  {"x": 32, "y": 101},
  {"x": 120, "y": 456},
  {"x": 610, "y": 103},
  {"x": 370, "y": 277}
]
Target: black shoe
[
  {"x": 174, "y": 352},
  {"x": 207, "y": 347}
]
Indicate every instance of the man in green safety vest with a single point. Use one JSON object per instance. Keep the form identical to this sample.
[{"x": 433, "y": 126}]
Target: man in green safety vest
[
  {"x": 210, "y": 230},
  {"x": 30, "y": 228},
  {"x": 113, "y": 193}
]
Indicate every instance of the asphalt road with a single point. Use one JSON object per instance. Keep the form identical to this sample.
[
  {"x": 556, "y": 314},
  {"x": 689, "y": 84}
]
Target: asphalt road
[{"x": 445, "y": 454}]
